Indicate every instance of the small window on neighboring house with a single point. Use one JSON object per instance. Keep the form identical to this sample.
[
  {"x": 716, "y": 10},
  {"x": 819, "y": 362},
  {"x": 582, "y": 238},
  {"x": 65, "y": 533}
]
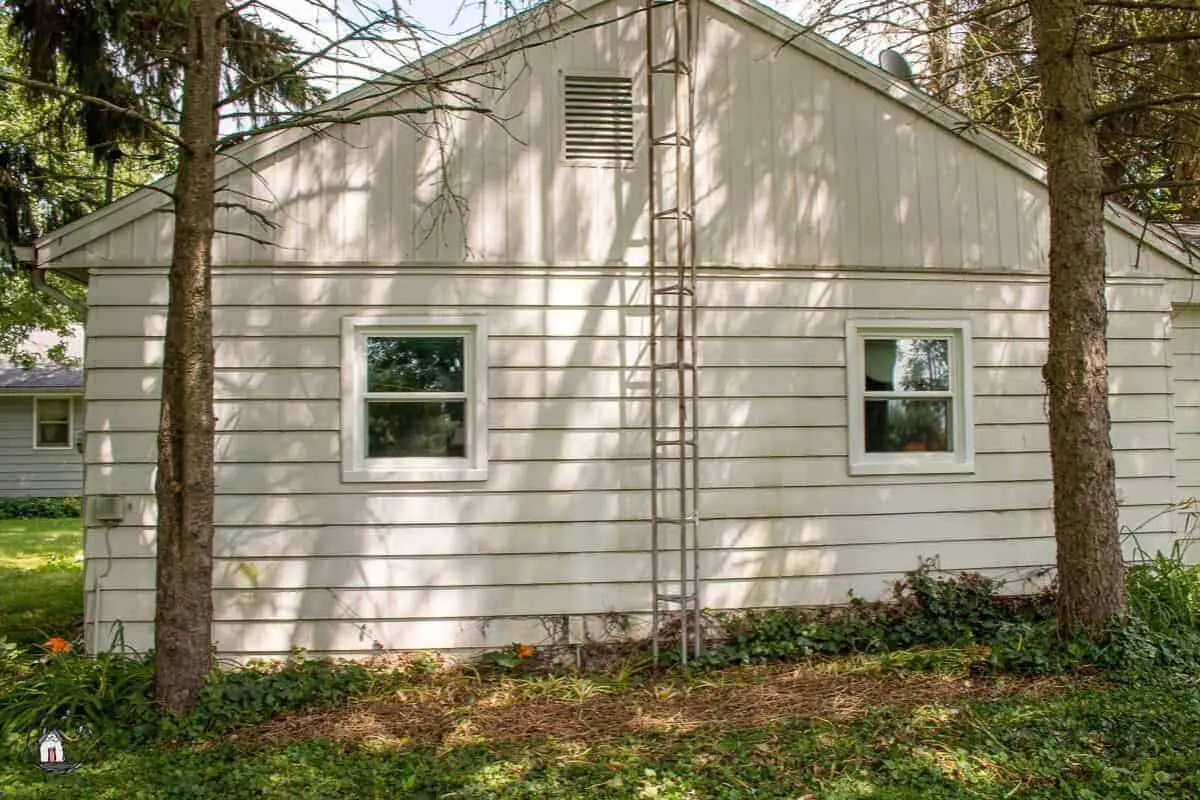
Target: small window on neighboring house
[
  {"x": 52, "y": 423},
  {"x": 414, "y": 405},
  {"x": 910, "y": 397},
  {"x": 598, "y": 119}
]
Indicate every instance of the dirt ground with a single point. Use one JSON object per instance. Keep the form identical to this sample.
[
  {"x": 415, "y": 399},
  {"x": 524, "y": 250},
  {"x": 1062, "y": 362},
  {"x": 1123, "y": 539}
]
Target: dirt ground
[{"x": 457, "y": 708}]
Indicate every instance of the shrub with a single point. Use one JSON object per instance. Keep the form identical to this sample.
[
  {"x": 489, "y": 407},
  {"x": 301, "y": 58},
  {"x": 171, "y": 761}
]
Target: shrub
[
  {"x": 111, "y": 695},
  {"x": 39, "y": 507},
  {"x": 926, "y": 608}
]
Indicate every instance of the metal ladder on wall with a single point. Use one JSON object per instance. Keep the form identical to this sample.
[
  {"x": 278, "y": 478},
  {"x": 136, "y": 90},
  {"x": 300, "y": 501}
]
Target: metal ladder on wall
[{"x": 671, "y": 45}]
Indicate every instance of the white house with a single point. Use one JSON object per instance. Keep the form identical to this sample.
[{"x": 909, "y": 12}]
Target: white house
[{"x": 440, "y": 438}]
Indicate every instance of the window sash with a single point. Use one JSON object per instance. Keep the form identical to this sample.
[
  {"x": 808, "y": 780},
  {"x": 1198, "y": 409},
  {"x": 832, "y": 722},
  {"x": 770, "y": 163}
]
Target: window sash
[
  {"x": 357, "y": 464},
  {"x": 47, "y": 441},
  {"x": 368, "y": 397},
  {"x": 43, "y": 423},
  {"x": 959, "y": 457}
]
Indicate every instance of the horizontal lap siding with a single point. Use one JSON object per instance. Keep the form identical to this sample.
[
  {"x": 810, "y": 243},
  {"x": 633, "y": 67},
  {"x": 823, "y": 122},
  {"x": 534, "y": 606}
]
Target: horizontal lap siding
[
  {"x": 559, "y": 527},
  {"x": 25, "y": 471}
]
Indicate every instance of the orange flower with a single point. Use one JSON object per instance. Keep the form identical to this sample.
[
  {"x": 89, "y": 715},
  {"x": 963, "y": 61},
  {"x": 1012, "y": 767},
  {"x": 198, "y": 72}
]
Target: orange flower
[
  {"x": 57, "y": 645},
  {"x": 525, "y": 651}
]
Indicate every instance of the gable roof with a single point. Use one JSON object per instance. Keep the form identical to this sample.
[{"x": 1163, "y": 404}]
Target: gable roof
[{"x": 524, "y": 30}]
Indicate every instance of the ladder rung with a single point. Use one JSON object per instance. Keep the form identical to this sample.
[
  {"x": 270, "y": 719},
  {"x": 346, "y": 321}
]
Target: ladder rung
[
  {"x": 672, "y": 66},
  {"x": 672, "y": 214},
  {"x": 671, "y": 140},
  {"x": 675, "y": 365},
  {"x": 674, "y": 442},
  {"x": 675, "y": 288},
  {"x": 675, "y": 598},
  {"x": 688, "y": 520}
]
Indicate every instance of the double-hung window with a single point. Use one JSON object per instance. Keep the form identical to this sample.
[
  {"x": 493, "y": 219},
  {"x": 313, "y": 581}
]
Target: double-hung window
[
  {"x": 910, "y": 396},
  {"x": 414, "y": 399},
  {"x": 53, "y": 423}
]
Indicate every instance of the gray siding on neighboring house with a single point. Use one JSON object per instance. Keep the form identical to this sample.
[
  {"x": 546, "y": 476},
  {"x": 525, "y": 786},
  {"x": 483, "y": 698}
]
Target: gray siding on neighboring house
[{"x": 25, "y": 471}]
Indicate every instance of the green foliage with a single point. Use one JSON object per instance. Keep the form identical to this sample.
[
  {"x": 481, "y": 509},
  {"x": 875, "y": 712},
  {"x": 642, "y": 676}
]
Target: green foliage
[
  {"x": 514, "y": 658},
  {"x": 262, "y": 689},
  {"x": 1161, "y": 638},
  {"x": 1020, "y": 636},
  {"x": 14, "y": 664},
  {"x": 40, "y": 507},
  {"x": 926, "y": 609},
  {"x": 1164, "y": 589},
  {"x": 110, "y": 695}
]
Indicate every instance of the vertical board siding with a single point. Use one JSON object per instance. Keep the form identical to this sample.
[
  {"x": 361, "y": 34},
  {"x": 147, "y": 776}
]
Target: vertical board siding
[
  {"x": 559, "y": 526},
  {"x": 26, "y": 472},
  {"x": 796, "y": 164}
]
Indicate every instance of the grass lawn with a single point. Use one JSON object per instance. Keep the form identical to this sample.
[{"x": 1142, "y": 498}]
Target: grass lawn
[
  {"x": 41, "y": 590},
  {"x": 838, "y": 730}
]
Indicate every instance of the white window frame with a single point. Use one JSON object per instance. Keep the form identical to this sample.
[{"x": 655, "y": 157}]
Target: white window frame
[
  {"x": 356, "y": 467},
  {"x": 37, "y": 445},
  {"x": 962, "y": 457}
]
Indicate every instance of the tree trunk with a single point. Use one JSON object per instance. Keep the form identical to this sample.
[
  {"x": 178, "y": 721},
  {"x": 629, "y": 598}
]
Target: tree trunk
[
  {"x": 184, "y": 486},
  {"x": 941, "y": 82},
  {"x": 1091, "y": 571}
]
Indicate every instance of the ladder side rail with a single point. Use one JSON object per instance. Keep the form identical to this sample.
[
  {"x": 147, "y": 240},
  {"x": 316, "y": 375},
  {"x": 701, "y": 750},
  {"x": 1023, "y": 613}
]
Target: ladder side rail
[{"x": 651, "y": 121}]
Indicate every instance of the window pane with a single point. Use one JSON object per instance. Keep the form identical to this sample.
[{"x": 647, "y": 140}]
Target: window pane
[
  {"x": 416, "y": 430},
  {"x": 914, "y": 365},
  {"x": 414, "y": 364},
  {"x": 909, "y": 426},
  {"x": 54, "y": 434},
  {"x": 54, "y": 410}
]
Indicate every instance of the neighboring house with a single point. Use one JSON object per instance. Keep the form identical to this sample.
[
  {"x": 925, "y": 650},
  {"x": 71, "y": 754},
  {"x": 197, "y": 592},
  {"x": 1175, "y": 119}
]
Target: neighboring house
[
  {"x": 441, "y": 438},
  {"x": 41, "y": 421}
]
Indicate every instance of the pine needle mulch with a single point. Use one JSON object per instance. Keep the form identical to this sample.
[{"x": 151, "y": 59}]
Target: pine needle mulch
[{"x": 454, "y": 709}]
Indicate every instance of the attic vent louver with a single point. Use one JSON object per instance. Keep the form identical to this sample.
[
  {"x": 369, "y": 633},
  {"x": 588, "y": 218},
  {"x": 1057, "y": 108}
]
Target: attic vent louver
[{"x": 598, "y": 118}]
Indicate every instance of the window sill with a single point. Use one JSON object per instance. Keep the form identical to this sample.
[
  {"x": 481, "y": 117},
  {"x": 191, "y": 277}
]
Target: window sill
[
  {"x": 449, "y": 474},
  {"x": 911, "y": 466}
]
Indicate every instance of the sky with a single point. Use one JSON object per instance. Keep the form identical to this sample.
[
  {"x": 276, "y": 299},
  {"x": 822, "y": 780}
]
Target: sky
[{"x": 448, "y": 20}]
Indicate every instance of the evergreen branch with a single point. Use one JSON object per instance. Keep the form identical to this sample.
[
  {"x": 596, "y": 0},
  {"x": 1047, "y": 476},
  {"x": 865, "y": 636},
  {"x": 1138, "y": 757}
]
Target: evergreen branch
[
  {"x": 1162, "y": 38},
  {"x": 1117, "y": 109},
  {"x": 155, "y": 125}
]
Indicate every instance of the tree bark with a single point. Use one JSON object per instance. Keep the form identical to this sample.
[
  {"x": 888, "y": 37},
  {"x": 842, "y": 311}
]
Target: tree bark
[
  {"x": 1091, "y": 571},
  {"x": 941, "y": 81},
  {"x": 184, "y": 486}
]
